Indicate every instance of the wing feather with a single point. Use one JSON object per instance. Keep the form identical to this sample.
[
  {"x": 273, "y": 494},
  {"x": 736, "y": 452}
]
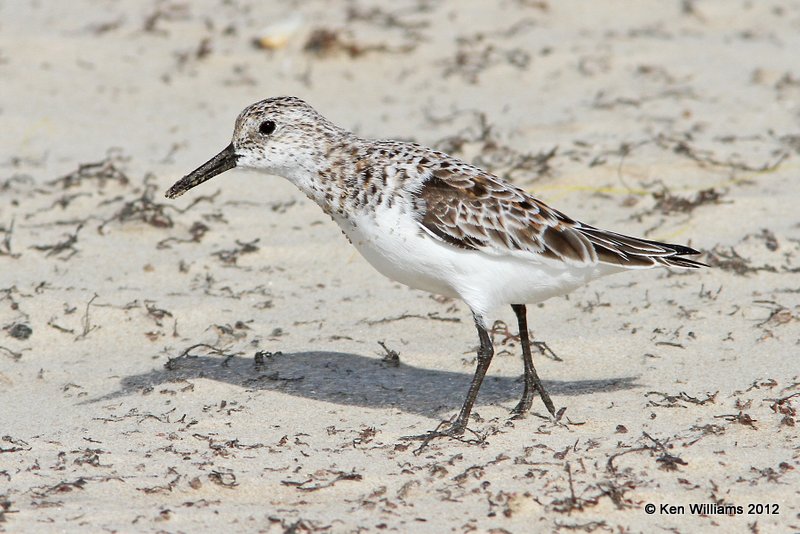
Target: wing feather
[{"x": 471, "y": 209}]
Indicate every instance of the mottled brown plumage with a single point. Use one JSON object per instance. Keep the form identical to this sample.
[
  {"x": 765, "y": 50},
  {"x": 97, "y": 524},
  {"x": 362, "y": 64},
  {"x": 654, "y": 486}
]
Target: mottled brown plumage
[{"x": 472, "y": 209}]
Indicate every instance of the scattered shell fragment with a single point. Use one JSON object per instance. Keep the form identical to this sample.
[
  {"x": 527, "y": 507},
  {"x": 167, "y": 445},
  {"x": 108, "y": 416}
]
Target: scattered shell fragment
[{"x": 277, "y": 35}]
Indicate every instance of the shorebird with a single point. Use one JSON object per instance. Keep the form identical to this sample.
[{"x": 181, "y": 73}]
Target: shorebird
[{"x": 435, "y": 223}]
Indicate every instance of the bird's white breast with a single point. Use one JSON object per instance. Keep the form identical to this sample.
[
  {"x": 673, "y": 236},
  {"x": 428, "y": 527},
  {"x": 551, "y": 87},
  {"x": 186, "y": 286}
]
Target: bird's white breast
[{"x": 393, "y": 244}]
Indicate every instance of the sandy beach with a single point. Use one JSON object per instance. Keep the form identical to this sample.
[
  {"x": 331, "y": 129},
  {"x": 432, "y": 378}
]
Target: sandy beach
[{"x": 220, "y": 362}]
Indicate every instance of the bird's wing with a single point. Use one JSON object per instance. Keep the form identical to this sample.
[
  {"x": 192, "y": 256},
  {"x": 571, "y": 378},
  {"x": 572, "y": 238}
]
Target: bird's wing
[{"x": 471, "y": 209}]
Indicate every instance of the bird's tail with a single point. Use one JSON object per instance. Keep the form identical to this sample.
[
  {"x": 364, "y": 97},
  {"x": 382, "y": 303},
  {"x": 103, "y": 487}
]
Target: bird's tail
[{"x": 633, "y": 252}]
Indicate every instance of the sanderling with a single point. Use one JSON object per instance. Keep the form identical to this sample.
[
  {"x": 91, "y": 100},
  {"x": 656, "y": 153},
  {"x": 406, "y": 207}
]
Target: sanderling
[{"x": 434, "y": 222}]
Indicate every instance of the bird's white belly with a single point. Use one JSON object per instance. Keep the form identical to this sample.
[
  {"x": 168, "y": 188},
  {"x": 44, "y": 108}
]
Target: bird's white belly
[{"x": 395, "y": 245}]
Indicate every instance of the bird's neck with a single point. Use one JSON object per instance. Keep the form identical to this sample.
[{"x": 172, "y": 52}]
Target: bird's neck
[{"x": 331, "y": 174}]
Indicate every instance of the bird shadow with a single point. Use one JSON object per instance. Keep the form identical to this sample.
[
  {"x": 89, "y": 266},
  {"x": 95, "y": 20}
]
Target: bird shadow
[{"x": 353, "y": 380}]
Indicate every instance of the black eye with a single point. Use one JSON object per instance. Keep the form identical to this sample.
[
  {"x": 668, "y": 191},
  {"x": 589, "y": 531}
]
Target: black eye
[{"x": 266, "y": 127}]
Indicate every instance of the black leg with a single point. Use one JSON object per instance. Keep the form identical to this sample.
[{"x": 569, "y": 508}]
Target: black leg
[
  {"x": 532, "y": 382},
  {"x": 485, "y": 354}
]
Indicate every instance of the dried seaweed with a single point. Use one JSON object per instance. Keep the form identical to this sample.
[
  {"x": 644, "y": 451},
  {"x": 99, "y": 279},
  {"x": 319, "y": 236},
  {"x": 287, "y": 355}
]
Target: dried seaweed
[{"x": 325, "y": 43}]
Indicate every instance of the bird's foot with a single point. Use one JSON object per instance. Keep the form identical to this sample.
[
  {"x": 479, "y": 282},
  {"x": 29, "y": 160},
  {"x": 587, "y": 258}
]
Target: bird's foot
[
  {"x": 451, "y": 430},
  {"x": 445, "y": 429},
  {"x": 546, "y": 400},
  {"x": 522, "y": 407},
  {"x": 525, "y": 403}
]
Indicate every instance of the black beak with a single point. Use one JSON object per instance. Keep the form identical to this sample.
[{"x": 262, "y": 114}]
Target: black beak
[{"x": 220, "y": 163}]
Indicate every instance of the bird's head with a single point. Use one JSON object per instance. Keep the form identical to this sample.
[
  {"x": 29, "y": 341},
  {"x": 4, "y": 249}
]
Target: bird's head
[{"x": 283, "y": 136}]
